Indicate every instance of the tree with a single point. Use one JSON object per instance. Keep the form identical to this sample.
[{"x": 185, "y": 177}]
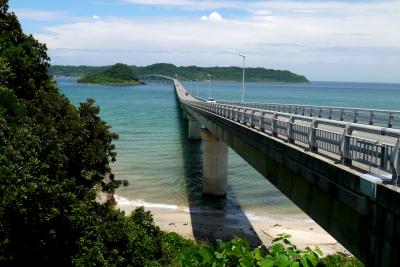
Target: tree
[{"x": 53, "y": 156}]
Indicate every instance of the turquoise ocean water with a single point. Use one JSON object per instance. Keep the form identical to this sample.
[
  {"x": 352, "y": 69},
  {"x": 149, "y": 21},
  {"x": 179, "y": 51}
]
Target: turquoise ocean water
[{"x": 164, "y": 169}]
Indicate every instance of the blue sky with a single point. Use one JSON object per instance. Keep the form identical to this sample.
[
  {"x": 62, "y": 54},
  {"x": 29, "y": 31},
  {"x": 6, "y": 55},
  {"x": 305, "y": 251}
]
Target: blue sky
[{"x": 324, "y": 40}]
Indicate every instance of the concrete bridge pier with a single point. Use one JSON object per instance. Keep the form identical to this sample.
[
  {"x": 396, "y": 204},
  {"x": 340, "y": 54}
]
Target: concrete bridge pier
[
  {"x": 194, "y": 128},
  {"x": 184, "y": 115},
  {"x": 215, "y": 165}
]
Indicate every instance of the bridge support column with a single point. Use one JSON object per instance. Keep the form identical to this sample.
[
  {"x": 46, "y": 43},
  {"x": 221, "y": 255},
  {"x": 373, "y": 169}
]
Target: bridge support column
[
  {"x": 194, "y": 128},
  {"x": 184, "y": 115},
  {"x": 215, "y": 165}
]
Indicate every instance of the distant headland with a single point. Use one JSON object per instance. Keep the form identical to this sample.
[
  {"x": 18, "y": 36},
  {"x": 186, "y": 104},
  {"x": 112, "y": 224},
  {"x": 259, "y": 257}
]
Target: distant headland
[{"x": 124, "y": 74}]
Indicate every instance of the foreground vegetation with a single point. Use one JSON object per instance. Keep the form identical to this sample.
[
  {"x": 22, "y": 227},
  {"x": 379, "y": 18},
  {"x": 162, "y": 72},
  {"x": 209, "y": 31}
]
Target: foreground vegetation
[
  {"x": 282, "y": 253},
  {"x": 53, "y": 156},
  {"x": 116, "y": 74},
  {"x": 191, "y": 72}
]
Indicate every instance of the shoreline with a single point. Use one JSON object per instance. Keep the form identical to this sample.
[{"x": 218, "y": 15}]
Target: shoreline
[{"x": 211, "y": 226}]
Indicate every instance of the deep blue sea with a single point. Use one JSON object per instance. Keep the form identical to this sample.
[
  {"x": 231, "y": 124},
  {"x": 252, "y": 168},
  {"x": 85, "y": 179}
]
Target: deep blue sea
[{"x": 164, "y": 168}]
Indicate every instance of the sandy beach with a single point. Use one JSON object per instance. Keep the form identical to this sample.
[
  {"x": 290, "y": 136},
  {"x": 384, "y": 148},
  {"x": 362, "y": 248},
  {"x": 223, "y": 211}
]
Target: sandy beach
[{"x": 216, "y": 225}]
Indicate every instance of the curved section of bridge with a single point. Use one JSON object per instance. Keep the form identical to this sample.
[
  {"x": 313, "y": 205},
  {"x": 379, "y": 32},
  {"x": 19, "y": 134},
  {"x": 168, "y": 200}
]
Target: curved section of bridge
[{"x": 343, "y": 174}]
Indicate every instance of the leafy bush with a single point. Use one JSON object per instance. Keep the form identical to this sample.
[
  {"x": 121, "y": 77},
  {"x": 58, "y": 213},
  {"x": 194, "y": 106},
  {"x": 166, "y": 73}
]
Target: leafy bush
[
  {"x": 340, "y": 260},
  {"x": 174, "y": 247},
  {"x": 238, "y": 253}
]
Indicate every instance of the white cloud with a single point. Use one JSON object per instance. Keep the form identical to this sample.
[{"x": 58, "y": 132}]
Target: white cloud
[
  {"x": 293, "y": 6},
  {"x": 214, "y": 16},
  {"x": 187, "y": 4},
  {"x": 351, "y": 38},
  {"x": 263, "y": 12},
  {"x": 38, "y": 15},
  {"x": 95, "y": 17}
]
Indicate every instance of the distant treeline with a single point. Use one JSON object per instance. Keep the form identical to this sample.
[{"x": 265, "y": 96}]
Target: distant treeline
[{"x": 190, "y": 72}]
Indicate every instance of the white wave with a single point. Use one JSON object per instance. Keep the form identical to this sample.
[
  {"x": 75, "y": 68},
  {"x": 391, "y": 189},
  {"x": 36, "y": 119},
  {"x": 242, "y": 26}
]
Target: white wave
[{"x": 124, "y": 202}]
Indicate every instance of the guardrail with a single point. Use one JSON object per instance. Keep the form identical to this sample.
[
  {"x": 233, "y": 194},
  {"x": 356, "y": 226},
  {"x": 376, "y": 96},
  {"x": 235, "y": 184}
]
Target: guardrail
[
  {"x": 306, "y": 131},
  {"x": 383, "y": 118}
]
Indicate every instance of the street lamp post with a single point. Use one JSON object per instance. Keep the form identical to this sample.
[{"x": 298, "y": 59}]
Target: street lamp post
[
  {"x": 209, "y": 85},
  {"x": 244, "y": 62},
  {"x": 197, "y": 87}
]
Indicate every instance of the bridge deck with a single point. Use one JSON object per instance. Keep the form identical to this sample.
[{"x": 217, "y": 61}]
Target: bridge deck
[{"x": 370, "y": 148}]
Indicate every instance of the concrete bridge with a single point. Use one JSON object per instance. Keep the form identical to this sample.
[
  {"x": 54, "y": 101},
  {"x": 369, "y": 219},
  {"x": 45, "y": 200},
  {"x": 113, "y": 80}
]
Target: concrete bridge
[{"x": 343, "y": 173}]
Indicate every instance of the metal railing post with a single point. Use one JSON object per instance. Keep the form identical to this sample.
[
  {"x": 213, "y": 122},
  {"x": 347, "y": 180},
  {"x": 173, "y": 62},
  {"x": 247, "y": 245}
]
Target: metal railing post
[
  {"x": 390, "y": 122},
  {"x": 252, "y": 118},
  {"x": 236, "y": 114},
  {"x": 261, "y": 121},
  {"x": 395, "y": 163},
  {"x": 274, "y": 124},
  {"x": 345, "y": 145},
  {"x": 312, "y": 136},
  {"x": 290, "y": 134},
  {"x": 383, "y": 157},
  {"x": 355, "y": 118},
  {"x": 371, "y": 118}
]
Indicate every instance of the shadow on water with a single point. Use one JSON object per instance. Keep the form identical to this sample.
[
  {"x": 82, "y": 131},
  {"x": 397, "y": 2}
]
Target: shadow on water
[{"x": 211, "y": 218}]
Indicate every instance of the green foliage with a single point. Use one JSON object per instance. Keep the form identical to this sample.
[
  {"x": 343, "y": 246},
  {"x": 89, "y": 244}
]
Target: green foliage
[
  {"x": 238, "y": 253},
  {"x": 282, "y": 253},
  {"x": 26, "y": 57},
  {"x": 116, "y": 74},
  {"x": 190, "y": 72},
  {"x": 74, "y": 71},
  {"x": 53, "y": 156},
  {"x": 175, "y": 247},
  {"x": 340, "y": 260}
]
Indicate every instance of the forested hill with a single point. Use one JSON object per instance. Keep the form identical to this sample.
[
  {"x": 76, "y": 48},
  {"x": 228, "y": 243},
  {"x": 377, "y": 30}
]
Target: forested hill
[
  {"x": 116, "y": 74},
  {"x": 190, "y": 72}
]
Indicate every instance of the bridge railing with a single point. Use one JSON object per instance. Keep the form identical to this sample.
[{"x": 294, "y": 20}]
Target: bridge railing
[
  {"x": 320, "y": 135},
  {"x": 383, "y": 118}
]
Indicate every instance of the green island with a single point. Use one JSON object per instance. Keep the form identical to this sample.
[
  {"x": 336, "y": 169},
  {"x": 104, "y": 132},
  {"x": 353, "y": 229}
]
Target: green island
[
  {"x": 54, "y": 161},
  {"x": 119, "y": 74},
  {"x": 191, "y": 73}
]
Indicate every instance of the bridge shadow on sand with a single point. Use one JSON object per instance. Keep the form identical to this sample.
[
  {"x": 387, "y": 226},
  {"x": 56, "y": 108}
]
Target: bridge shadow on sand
[{"x": 211, "y": 218}]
